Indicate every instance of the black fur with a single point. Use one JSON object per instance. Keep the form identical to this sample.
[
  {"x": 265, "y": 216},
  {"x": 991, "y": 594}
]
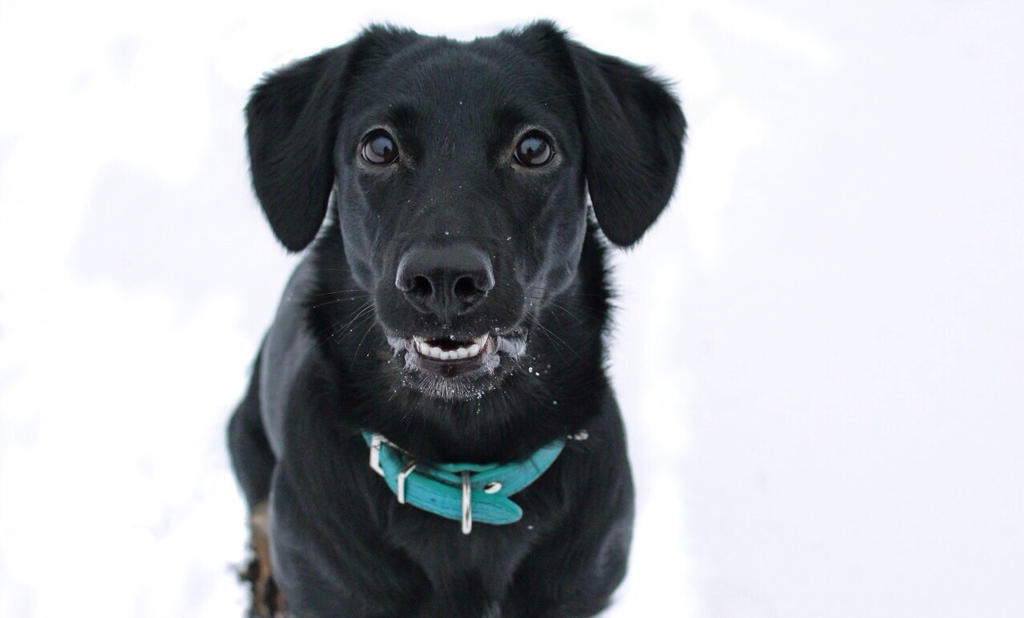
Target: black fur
[{"x": 340, "y": 543}]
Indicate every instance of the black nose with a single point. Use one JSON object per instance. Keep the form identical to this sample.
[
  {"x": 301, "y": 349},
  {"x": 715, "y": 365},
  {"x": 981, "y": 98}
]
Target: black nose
[{"x": 446, "y": 281}]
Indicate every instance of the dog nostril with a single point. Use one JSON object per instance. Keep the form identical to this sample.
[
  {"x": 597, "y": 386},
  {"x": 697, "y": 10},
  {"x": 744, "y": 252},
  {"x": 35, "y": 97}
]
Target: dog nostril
[
  {"x": 421, "y": 287},
  {"x": 466, "y": 288}
]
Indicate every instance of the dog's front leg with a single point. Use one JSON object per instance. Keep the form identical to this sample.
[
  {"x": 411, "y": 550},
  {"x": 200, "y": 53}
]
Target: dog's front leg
[{"x": 335, "y": 561}]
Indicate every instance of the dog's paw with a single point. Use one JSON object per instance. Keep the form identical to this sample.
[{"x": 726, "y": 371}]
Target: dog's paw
[{"x": 266, "y": 600}]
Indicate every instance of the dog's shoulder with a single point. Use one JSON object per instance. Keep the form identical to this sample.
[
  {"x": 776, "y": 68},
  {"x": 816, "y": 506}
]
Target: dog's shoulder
[{"x": 287, "y": 358}]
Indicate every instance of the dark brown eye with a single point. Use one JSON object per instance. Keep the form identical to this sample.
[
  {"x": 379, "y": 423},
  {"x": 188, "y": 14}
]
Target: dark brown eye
[
  {"x": 379, "y": 147},
  {"x": 533, "y": 150}
]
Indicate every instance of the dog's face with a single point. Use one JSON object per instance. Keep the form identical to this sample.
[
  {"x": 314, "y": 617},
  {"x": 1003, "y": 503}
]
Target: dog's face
[
  {"x": 460, "y": 172},
  {"x": 461, "y": 199}
]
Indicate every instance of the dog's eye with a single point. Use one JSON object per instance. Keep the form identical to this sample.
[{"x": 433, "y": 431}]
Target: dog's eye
[
  {"x": 533, "y": 150},
  {"x": 379, "y": 147}
]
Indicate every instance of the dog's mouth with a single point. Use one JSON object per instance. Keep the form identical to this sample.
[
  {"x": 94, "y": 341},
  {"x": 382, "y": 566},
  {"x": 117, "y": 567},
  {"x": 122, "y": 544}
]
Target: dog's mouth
[
  {"x": 457, "y": 366},
  {"x": 451, "y": 349}
]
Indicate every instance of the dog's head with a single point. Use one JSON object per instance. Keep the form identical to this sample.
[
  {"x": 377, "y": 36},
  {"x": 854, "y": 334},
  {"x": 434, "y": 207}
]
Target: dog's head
[{"x": 460, "y": 172}]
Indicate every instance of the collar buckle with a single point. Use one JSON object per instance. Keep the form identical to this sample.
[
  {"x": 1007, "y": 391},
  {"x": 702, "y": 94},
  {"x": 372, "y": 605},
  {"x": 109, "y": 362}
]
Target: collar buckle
[
  {"x": 400, "y": 480},
  {"x": 375, "y": 442}
]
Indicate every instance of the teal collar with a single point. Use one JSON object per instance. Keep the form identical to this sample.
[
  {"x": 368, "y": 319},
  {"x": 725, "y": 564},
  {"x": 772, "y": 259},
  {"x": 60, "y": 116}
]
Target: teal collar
[{"x": 465, "y": 492}]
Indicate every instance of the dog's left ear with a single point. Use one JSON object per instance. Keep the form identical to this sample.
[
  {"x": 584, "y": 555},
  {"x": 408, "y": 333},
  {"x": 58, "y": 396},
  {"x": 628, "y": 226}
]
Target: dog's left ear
[{"x": 633, "y": 132}]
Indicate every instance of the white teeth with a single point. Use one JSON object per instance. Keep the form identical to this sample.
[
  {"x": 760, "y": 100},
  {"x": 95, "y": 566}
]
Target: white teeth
[{"x": 474, "y": 349}]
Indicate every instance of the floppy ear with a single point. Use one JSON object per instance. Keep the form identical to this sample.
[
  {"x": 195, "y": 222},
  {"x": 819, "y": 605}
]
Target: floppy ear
[
  {"x": 292, "y": 118},
  {"x": 633, "y": 132}
]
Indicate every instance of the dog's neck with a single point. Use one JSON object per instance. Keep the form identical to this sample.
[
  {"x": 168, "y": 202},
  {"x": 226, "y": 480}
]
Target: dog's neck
[{"x": 557, "y": 377}]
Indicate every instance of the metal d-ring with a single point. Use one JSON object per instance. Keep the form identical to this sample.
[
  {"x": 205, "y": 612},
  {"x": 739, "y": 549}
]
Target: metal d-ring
[
  {"x": 400, "y": 481},
  {"x": 467, "y": 507}
]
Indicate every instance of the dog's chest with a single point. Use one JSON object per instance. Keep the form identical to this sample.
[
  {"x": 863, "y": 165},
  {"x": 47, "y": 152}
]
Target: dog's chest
[{"x": 489, "y": 553}]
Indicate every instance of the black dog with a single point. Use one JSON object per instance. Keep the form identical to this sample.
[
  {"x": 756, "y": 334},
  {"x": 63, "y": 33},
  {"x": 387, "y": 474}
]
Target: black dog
[{"x": 448, "y": 315}]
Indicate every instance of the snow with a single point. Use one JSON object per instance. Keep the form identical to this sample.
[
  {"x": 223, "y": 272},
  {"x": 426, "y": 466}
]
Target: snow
[{"x": 819, "y": 345}]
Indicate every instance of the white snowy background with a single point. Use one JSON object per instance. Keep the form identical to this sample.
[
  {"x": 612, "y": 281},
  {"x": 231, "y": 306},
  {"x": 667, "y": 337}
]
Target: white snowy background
[{"x": 819, "y": 349}]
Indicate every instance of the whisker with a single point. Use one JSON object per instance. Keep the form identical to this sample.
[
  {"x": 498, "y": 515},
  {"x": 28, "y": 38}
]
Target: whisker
[
  {"x": 355, "y": 356},
  {"x": 357, "y": 292},
  {"x": 554, "y": 303},
  {"x": 361, "y": 313},
  {"x": 333, "y": 301},
  {"x": 555, "y": 338},
  {"x": 572, "y": 315},
  {"x": 563, "y": 308}
]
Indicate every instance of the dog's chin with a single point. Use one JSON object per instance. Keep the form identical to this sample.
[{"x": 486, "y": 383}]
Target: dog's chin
[{"x": 454, "y": 367}]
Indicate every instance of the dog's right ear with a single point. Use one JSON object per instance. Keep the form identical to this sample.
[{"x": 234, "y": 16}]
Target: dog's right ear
[{"x": 293, "y": 117}]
